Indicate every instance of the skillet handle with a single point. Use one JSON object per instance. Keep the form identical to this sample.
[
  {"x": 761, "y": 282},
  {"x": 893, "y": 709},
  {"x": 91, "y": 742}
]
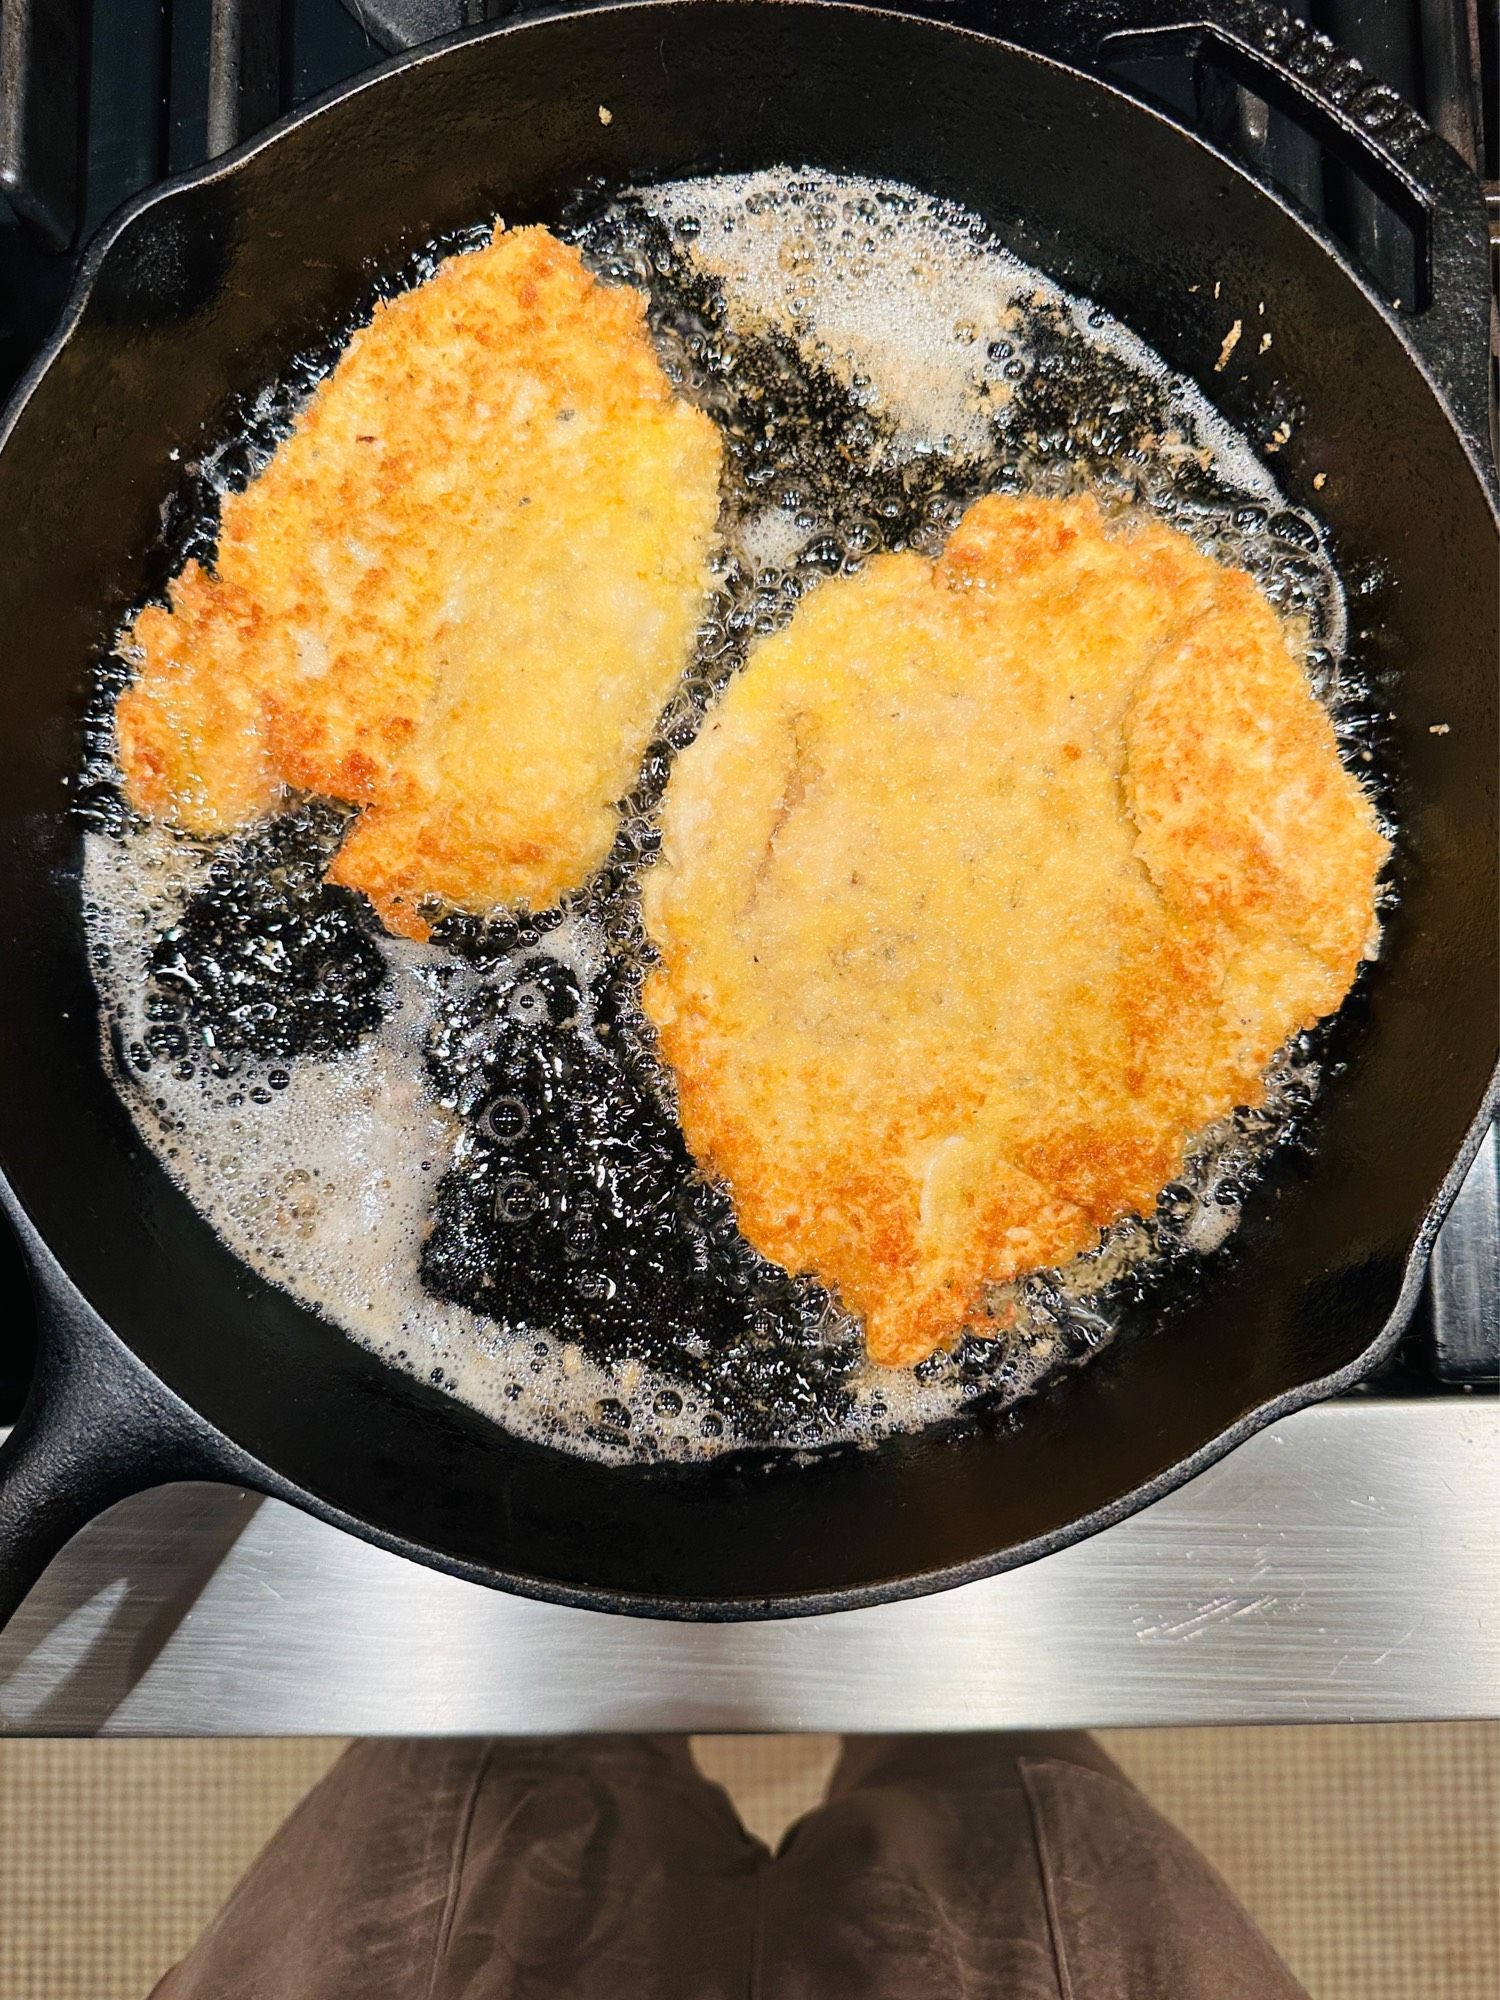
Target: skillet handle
[
  {"x": 96, "y": 1426},
  {"x": 1347, "y": 111}
]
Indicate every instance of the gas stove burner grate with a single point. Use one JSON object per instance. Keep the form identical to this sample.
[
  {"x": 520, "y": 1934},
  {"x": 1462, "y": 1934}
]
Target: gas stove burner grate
[{"x": 402, "y": 24}]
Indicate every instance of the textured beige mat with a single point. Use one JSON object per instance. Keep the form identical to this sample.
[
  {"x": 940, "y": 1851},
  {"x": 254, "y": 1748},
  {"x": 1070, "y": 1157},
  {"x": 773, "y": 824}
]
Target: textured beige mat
[
  {"x": 1370, "y": 1855},
  {"x": 113, "y": 1856}
]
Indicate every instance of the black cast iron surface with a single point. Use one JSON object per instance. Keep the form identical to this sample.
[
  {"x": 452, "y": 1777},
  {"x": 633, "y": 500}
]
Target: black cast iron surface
[{"x": 164, "y": 1355}]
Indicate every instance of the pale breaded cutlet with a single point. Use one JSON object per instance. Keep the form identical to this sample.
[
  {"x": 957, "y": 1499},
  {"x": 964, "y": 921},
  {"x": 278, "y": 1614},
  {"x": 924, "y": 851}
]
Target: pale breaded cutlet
[
  {"x": 457, "y": 596},
  {"x": 987, "y": 885}
]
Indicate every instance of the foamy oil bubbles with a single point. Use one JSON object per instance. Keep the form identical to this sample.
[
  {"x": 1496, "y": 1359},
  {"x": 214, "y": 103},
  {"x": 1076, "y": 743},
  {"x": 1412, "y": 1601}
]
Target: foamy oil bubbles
[
  {"x": 320, "y": 1173},
  {"x": 464, "y": 1154}
]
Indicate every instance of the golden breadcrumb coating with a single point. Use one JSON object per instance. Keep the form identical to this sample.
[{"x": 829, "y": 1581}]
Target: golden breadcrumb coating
[
  {"x": 457, "y": 596},
  {"x": 987, "y": 885}
]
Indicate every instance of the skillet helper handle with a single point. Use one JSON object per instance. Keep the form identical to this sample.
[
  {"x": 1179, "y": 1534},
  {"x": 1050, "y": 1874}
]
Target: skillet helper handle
[
  {"x": 95, "y": 1428},
  {"x": 1348, "y": 112}
]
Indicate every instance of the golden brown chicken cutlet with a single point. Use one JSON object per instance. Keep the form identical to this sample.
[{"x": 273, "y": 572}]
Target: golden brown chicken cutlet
[
  {"x": 988, "y": 884},
  {"x": 457, "y": 596}
]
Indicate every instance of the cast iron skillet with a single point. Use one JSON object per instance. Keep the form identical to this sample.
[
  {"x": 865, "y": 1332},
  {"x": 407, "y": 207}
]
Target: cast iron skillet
[{"x": 163, "y": 1357}]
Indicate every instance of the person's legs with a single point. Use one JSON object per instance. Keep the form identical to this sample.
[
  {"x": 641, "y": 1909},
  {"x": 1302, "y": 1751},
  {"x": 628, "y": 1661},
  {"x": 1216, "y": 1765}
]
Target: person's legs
[
  {"x": 996, "y": 1867},
  {"x": 492, "y": 1870},
  {"x": 1000, "y": 1867},
  {"x": 1134, "y": 1909},
  {"x": 917, "y": 1876}
]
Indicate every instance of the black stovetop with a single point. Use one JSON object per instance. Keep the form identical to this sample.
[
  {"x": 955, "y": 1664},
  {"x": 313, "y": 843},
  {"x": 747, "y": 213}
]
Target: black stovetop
[{"x": 101, "y": 98}]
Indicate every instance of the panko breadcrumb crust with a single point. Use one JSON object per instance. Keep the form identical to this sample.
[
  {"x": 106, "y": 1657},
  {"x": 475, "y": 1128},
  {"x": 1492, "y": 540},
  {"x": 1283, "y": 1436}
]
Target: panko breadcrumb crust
[
  {"x": 457, "y": 596},
  {"x": 988, "y": 884}
]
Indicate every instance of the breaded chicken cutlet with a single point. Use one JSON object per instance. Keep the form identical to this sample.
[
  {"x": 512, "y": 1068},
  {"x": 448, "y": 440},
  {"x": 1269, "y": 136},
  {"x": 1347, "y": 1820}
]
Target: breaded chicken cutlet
[
  {"x": 457, "y": 596},
  {"x": 987, "y": 886}
]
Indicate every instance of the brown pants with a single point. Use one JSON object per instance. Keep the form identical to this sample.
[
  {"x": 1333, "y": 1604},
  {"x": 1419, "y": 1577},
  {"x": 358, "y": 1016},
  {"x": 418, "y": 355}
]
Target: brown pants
[{"x": 606, "y": 1868}]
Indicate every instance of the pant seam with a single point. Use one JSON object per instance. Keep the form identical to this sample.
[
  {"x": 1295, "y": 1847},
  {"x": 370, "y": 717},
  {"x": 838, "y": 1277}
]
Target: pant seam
[
  {"x": 462, "y": 1829},
  {"x": 754, "y": 1983},
  {"x": 1065, "y": 1986}
]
